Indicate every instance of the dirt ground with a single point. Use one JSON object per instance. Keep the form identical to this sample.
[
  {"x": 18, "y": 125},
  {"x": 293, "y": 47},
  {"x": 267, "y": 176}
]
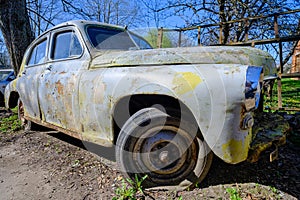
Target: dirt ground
[{"x": 50, "y": 165}]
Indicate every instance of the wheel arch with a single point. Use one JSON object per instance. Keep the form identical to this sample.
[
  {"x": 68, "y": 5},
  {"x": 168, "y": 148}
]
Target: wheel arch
[
  {"x": 12, "y": 100},
  {"x": 137, "y": 102}
]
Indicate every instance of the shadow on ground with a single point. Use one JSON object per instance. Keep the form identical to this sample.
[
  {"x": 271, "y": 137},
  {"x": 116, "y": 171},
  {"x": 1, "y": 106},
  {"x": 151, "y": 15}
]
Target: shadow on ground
[
  {"x": 105, "y": 152},
  {"x": 283, "y": 173}
]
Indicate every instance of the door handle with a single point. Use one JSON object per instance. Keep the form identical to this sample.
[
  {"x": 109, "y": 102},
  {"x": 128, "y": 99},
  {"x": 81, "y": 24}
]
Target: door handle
[{"x": 49, "y": 67}]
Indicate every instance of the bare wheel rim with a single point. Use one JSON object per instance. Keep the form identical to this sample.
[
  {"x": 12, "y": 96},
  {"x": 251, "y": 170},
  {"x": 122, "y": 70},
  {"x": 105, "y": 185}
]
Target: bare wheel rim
[{"x": 166, "y": 153}]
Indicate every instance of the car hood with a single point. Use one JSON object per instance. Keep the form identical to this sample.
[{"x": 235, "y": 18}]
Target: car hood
[{"x": 187, "y": 55}]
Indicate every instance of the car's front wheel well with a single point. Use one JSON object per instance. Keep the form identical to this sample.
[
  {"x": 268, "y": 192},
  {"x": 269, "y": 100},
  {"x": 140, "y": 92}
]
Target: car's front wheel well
[{"x": 129, "y": 105}]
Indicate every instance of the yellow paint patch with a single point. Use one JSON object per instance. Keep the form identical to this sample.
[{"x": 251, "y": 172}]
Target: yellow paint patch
[
  {"x": 185, "y": 82},
  {"x": 236, "y": 150}
]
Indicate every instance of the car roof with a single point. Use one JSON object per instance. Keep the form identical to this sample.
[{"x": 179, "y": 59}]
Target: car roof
[
  {"x": 86, "y": 22},
  {"x": 6, "y": 70},
  {"x": 81, "y": 24}
]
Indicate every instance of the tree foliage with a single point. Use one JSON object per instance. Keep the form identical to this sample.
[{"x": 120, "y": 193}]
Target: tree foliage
[{"x": 200, "y": 12}]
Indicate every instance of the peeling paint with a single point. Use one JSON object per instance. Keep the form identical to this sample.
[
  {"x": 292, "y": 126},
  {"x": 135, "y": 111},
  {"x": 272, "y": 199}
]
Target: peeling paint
[
  {"x": 59, "y": 87},
  {"x": 266, "y": 134}
]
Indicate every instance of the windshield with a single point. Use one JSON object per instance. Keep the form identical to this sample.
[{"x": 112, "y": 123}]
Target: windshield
[
  {"x": 110, "y": 39},
  {"x": 3, "y": 75}
]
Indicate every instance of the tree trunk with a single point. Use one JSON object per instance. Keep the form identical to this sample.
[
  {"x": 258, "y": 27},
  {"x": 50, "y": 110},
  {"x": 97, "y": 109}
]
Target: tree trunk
[
  {"x": 16, "y": 30},
  {"x": 225, "y": 26}
]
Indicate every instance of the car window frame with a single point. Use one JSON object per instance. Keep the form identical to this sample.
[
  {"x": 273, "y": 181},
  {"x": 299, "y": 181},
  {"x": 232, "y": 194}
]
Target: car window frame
[
  {"x": 32, "y": 47},
  {"x": 56, "y": 32}
]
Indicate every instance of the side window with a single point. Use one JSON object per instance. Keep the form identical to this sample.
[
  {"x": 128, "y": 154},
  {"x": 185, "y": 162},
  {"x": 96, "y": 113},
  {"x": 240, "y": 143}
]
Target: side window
[
  {"x": 38, "y": 53},
  {"x": 66, "y": 45}
]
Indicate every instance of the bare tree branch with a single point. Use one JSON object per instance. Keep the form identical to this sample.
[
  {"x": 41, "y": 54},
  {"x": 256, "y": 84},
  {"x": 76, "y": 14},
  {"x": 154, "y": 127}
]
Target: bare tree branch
[{"x": 46, "y": 20}]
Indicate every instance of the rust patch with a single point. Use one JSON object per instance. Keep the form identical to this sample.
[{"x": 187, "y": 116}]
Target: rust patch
[
  {"x": 269, "y": 129},
  {"x": 52, "y": 126},
  {"x": 59, "y": 87}
]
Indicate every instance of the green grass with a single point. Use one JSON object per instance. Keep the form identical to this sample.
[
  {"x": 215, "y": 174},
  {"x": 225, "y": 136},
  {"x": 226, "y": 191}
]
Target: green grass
[
  {"x": 130, "y": 191},
  {"x": 10, "y": 124},
  {"x": 290, "y": 95},
  {"x": 234, "y": 194}
]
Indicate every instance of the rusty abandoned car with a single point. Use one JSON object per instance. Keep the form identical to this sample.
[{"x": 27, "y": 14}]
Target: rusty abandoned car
[{"x": 166, "y": 111}]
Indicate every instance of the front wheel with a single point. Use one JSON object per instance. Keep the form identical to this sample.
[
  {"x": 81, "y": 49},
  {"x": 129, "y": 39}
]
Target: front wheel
[{"x": 166, "y": 149}]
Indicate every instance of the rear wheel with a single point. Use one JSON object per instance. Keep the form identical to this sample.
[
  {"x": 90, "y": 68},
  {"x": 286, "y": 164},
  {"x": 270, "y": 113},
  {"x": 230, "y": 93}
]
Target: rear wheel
[
  {"x": 26, "y": 124},
  {"x": 166, "y": 149}
]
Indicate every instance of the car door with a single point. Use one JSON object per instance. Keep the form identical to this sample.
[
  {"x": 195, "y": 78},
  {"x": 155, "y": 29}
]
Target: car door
[
  {"x": 27, "y": 84},
  {"x": 58, "y": 88}
]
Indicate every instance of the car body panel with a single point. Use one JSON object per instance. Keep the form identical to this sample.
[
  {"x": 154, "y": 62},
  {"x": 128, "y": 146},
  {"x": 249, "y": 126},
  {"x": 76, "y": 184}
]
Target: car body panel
[
  {"x": 6, "y": 76},
  {"x": 58, "y": 85}
]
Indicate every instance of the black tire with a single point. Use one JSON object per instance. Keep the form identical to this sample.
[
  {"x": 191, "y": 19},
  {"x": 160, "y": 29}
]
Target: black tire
[
  {"x": 26, "y": 124},
  {"x": 2, "y": 104},
  {"x": 163, "y": 147}
]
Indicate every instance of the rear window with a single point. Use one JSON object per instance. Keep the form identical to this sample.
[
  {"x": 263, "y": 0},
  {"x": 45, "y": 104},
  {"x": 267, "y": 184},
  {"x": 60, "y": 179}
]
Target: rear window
[{"x": 66, "y": 45}]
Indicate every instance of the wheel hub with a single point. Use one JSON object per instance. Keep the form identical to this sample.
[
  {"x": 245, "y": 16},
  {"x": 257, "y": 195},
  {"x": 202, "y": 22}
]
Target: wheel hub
[
  {"x": 163, "y": 156},
  {"x": 164, "y": 153}
]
